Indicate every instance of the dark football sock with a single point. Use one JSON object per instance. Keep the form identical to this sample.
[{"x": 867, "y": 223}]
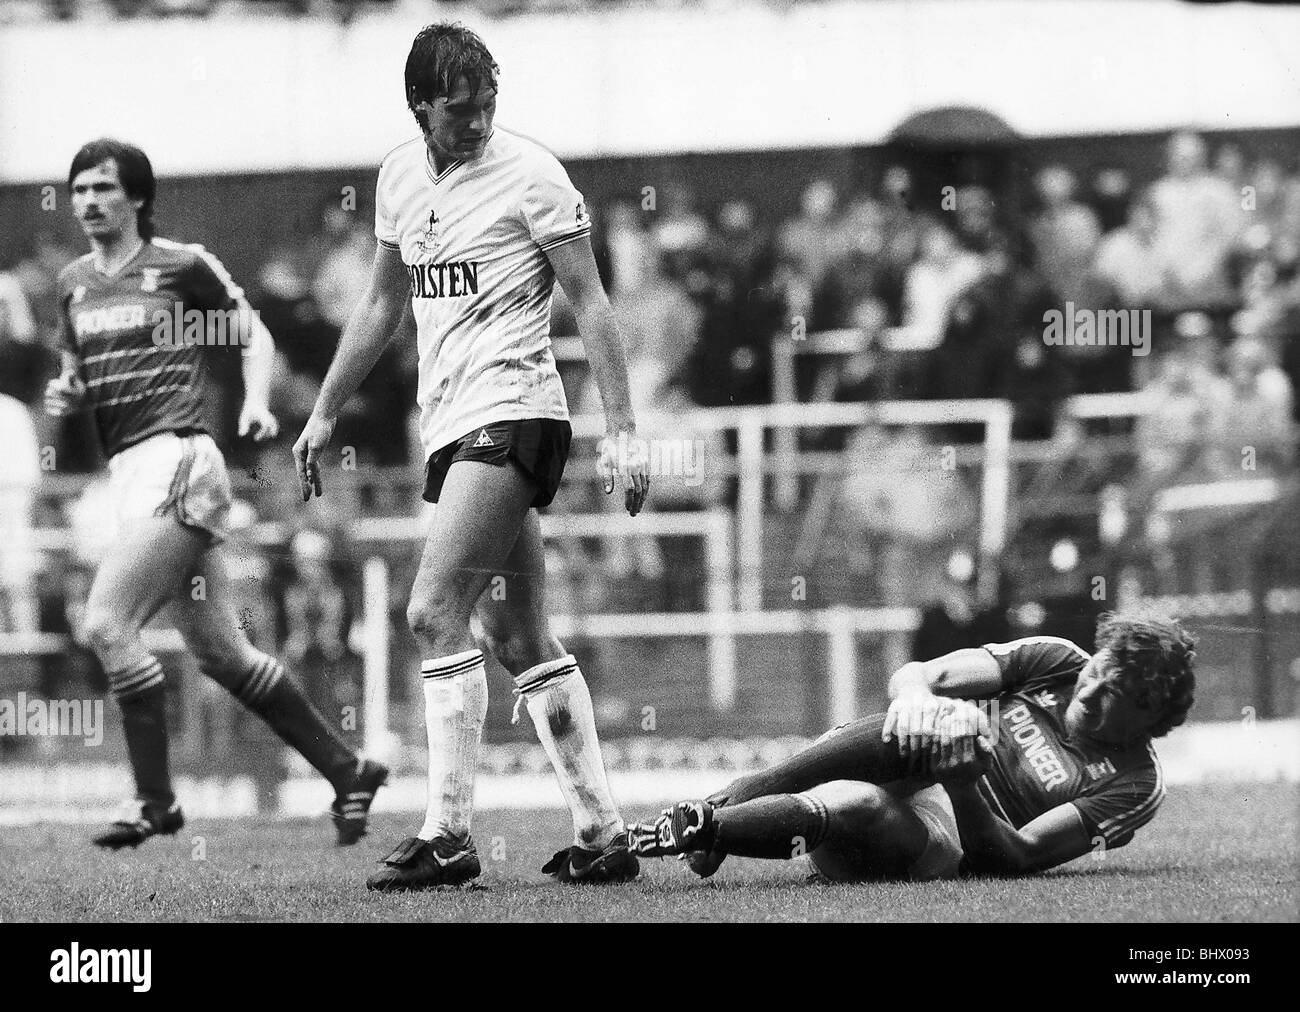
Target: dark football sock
[
  {"x": 142, "y": 697},
  {"x": 781, "y": 826},
  {"x": 853, "y": 752},
  {"x": 269, "y": 691}
]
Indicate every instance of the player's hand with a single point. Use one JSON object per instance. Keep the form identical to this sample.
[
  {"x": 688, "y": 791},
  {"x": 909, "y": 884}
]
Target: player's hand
[
  {"x": 258, "y": 419},
  {"x": 307, "y": 453},
  {"x": 912, "y": 718},
  {"x": 623, "y": 461},
  {"x": 65, "y": 395},
  {"x": 971, "y": 767},
  {"x": 956, "y": 751}
]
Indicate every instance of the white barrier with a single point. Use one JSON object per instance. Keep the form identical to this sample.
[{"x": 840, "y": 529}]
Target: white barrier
[{"x": 752, "y": 465}]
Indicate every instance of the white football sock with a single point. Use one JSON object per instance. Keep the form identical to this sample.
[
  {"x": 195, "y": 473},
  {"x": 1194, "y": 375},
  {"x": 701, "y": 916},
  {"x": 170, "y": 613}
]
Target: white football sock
[
  {"x": 455, "y": 703},
  {"x": 560, "y": 704}
]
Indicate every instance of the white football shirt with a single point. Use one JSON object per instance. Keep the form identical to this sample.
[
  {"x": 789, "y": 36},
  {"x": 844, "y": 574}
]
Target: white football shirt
[{"x": 473, "y": 240}]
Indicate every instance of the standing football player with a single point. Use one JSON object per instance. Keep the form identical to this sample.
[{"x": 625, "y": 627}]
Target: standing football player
[
  {"x": 136, "y": 313},
  {"x": 1063, "y": 765},
  {"x": 474, "y": 226}
]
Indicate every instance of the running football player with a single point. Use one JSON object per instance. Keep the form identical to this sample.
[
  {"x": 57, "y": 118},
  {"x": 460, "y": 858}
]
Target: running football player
[
  {"x": 1056, "y": 763},
  {"x": 137, "y": 314},
  {"x": 474, "y": 225}
]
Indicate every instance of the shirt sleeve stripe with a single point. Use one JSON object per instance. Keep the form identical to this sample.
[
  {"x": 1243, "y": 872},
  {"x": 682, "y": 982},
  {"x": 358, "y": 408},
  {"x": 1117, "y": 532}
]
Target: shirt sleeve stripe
[
  {"x": 389, "y": 245},
  {"x": 121, "y": 377},
  {"x": 1140, "y": 814},
  {"x": 151, "y": 392},
  {"x": 568, "y": 237},
  {"x": 233, "y": 291},
  {"x": 104, "y": 356}
]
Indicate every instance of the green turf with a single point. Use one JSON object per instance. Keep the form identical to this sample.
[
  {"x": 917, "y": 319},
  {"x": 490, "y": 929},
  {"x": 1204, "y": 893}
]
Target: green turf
[{"x": 1214, "y": 853}]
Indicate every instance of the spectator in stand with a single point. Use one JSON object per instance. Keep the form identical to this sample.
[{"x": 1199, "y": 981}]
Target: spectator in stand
[
  {"x": 952, "y": 618},
  {"x": 1274, "y": 224},
  {"x": 743, "y": 298},
  {"x": 17, "y": 323},
  {"x": 1173, "y": 439},
  {"x": 341, "y": 277},
  {"x": 858, "y": 275},
  {"x": 681, "y": 233},
  {"x": 994, "y": 347},
  {"x": 1064, "y": 233},
  {"x": 1251, "y": 429},
  {"x": 38, "y": 273},
  {"x": 895, "y": 510},
  {"x": 737, "y": 249},
  {"x": 1198, "y": 217},
  {"x": 661, "y": 325},
  {"x": 25, "y": 361},
  {"x": 1230, "y": 165},
  {"x": 978, "y": 227},
  {"x": 1128, "y": 263},
  {"x": 900, "y": 228},
  {"x": 306, "y": 338},
  {"x": 630, "y": 247},
  {"x": 1270, "y": 297},
  {"x": 1109, "y": 197},
  {"x": 931, "y": 286},
  {"x": 809, "y": 241}
]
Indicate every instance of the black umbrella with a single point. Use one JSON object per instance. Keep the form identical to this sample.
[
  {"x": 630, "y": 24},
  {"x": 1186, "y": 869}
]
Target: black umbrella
[{"x": 954, "y": 126}]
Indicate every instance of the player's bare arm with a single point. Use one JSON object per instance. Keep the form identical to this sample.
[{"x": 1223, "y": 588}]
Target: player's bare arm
[
  {"x": 575, "y": 269},
  {"x": 922, "y": 691},
  {"x": 363, "y": 341},
  {"x": 994, "y": 847},
  {"x": 257, "y": 366}
]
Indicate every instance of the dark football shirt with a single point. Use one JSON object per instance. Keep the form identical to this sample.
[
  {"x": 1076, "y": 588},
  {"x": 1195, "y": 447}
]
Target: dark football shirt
[
  {"x": 1036, "y": 766},
  {"x": 140, "y": 339}
]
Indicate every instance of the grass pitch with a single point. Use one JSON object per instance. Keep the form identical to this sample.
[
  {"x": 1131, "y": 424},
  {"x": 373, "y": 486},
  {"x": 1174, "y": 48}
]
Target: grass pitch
[{"x": 1216, "y": 852}]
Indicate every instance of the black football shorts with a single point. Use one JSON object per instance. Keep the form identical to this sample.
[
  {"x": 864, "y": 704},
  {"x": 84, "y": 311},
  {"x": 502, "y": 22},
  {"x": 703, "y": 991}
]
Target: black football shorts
[{"x": 539, "y": 446}]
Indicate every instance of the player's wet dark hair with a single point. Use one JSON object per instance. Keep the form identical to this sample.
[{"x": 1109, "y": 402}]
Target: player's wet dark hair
[
  {"x": 440, "y": 56},
  {"x": 133, "y": 169},
  {"x": 1154, "y": 655}
]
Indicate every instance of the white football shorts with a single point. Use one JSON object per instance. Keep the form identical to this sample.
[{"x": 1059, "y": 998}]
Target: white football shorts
[{"x": 170, "y": 475}]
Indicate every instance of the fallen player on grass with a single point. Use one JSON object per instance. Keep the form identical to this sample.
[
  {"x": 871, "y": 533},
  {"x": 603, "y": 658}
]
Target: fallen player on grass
[{"x": 1009, "y": 758}]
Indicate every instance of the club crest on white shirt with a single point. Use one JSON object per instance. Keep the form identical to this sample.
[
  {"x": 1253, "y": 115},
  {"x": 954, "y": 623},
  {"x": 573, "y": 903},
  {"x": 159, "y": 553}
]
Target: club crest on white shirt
[{"x": 432, "y": 235}]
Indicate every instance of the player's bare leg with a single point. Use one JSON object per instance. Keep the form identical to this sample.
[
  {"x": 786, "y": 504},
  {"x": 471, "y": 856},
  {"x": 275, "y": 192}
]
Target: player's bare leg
[
  {"x": 870, "y": 833},
  {"x": 210, "y": 627},
  {"x": 853, "y": 831},
  {"x": 549, "y": 681},
  {"x": 480, "y": 510},
  {"x": 143, "y": 568},
  {"x": 855, "y": 751}
]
